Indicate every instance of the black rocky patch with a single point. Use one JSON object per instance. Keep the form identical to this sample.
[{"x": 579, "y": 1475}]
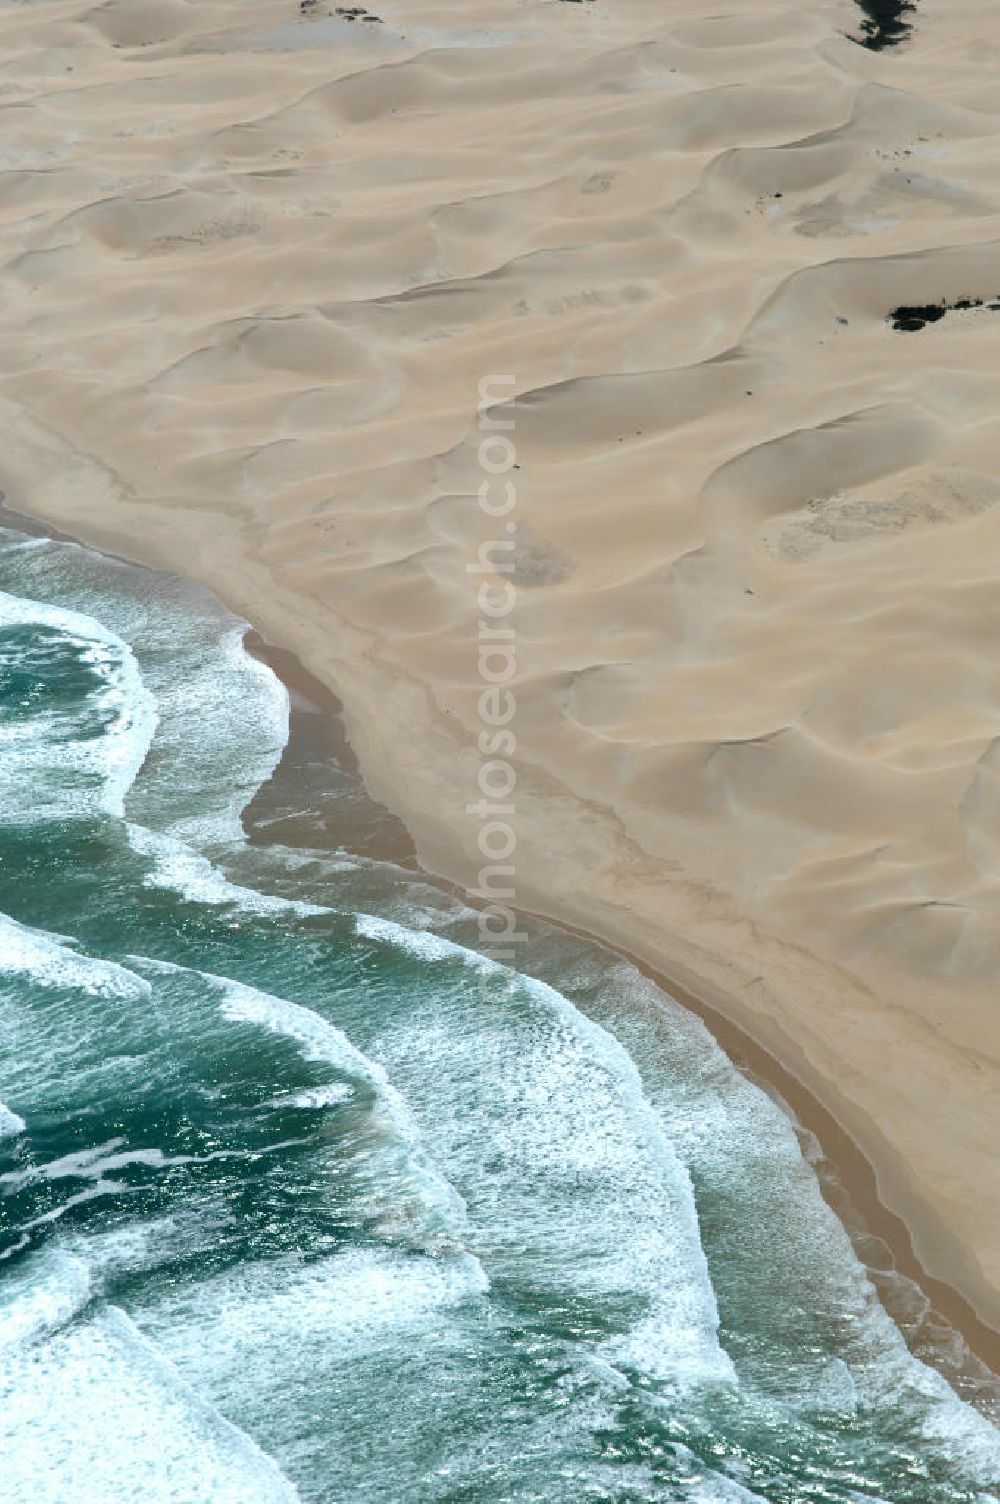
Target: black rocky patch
[
  {"x": 345, "y": 12},
  {"x": 909, "y": 317},
  {"x": 884, "y": 24}
]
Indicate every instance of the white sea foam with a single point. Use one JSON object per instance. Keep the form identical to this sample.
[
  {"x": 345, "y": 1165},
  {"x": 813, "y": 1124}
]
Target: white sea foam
[
  {"x": 551, "y": 1137},
  {"x": 422, "y": 943},
  {"x": 223, "y": 728},
  {"x": 221, "y": 716},
  {"x": 183, "y": 871},
  {"x": 272, "y": 1338},
  {"x": 440, "y": 1211},
  {"x": 11, "y": 1126},
  {"x": 344, "y": 1304},
  {"x": 305, "y": 862},
  {"x": 94, "y": 1413},
  {"x": 701, "y": 1487},
  {"x": 100, "y": 1159},
  {"x": 315, "y": 1098},
  {"x": 41, "y": 773},
  {"x": 732, "y": 1134},
  {"x": 37, "y": 1297},
  {"x": 321, "y": 1040},
  {"x": 46, "y": 961}
]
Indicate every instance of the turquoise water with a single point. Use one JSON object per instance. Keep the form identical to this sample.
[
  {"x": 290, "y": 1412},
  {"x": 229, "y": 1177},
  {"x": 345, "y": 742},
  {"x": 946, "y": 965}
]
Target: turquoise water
[{"x": 301, "y": 1198}]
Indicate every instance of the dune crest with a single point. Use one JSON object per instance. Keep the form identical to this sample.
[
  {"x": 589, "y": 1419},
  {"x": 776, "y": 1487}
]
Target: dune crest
[{"x": 257, "y": 259}]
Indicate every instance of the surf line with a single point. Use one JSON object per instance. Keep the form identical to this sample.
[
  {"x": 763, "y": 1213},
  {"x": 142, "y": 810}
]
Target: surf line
[{"x": 495, "y": 809}]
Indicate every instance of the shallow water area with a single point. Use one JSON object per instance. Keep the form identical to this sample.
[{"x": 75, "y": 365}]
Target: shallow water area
[{"x": 282, "y": 1156}]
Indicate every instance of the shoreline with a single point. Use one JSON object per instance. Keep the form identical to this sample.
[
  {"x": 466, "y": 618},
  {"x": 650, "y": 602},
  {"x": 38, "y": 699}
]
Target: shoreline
[
  {"x": 258, "y": 303},
  {"x": 854, "y": 1177},
  {"x": 855, "y": 1174}
]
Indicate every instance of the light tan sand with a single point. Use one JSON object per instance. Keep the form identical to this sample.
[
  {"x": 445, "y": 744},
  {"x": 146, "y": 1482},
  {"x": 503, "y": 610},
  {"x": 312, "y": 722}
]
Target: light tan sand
[{"x": 254, "y": 267}]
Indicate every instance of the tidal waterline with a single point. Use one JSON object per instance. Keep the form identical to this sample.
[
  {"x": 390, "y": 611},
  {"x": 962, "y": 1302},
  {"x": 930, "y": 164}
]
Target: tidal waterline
[
  {"x": 334, "y": 1208},
  {"x": 316, "y": 795}
]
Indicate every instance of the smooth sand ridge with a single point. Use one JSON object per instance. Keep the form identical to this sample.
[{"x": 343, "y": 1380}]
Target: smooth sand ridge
[{"x": 255, "y": 266}]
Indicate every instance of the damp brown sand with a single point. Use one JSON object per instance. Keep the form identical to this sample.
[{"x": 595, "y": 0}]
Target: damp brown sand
[
  {"x": 317, "y": 729},
  {"x": 318, "y": 733}
]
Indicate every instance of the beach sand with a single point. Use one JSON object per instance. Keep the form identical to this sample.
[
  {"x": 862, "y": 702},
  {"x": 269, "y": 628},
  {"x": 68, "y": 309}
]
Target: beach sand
[{"x": 256, "y": 264}]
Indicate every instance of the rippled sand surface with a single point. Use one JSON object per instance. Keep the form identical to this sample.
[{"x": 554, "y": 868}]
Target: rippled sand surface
[{"x": 257, "y": 261}]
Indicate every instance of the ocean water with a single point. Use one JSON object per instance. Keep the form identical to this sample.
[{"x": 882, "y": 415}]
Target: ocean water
[{"x": 302, "y": 1199}]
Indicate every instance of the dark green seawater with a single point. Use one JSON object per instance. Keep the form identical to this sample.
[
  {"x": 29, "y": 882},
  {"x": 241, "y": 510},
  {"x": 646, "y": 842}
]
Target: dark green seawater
[{"x": 301, "y": 1198}]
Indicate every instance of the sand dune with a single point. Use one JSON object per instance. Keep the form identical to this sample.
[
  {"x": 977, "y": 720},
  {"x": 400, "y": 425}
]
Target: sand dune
[{"x": 257, "y": 258}]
